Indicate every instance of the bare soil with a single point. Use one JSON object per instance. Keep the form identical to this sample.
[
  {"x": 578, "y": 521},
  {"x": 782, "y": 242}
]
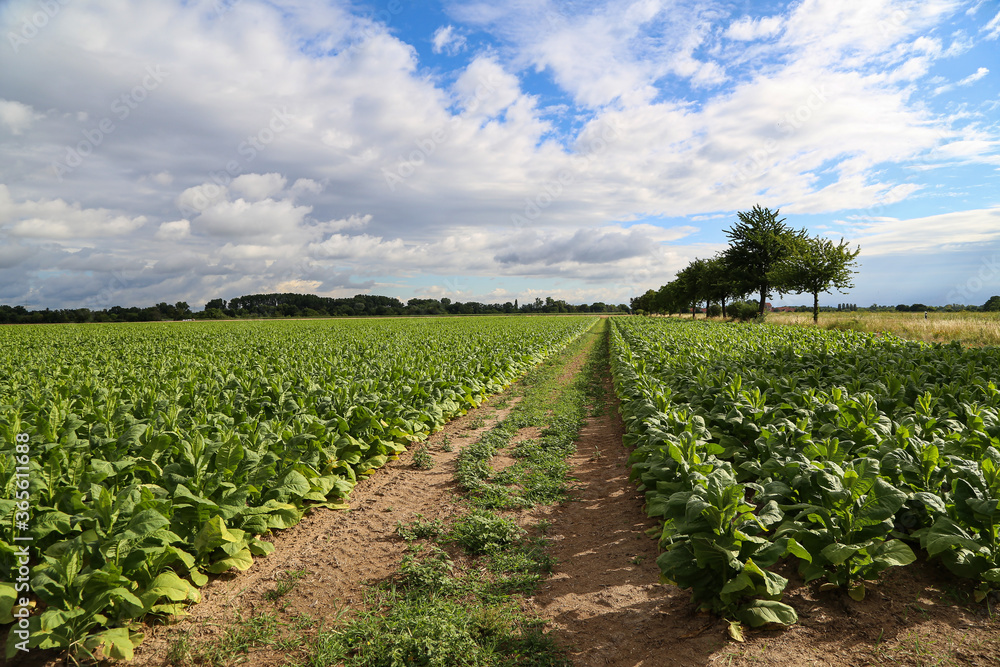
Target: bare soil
[{"x": 341, "y": 551}]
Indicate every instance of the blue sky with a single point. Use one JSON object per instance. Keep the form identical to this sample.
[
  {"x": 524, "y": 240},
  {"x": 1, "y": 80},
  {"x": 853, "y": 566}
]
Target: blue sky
[{"x": 586, "y": 150}]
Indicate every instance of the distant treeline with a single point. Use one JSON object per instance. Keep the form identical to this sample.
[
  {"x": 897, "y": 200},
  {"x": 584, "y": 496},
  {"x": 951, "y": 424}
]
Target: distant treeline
[{"x": 297, "y": 305}]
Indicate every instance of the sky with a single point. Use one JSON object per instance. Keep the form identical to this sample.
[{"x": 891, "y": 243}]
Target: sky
[{"x": 185, "y": 150}]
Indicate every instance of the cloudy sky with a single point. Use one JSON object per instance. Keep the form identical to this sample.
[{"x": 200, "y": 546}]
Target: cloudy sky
[{"x": 165, "y": 150}]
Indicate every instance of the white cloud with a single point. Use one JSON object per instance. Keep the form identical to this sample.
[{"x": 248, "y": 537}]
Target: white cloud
[
  {"x": 57, "y": 220},
  {"x": 972, "y": 78},
  {"x": 947, "y": 232},
  {"x": 240, "y": 218},
  {"x": 256, "y": 187},
  {"x": 967, "y": 81},
  {"x": 485, "y": 88},
  {"x": 748, "y": 29},
  {"x": 174, "y": 231},
  {"x": 448, "y": 40},
  {"x": 16, "y": 116},
  {"x": 992, "y": 29}
]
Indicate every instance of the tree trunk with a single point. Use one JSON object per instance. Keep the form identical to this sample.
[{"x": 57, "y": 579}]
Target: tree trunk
[
  {"x": 763, "y": 300},
  {"x": 694, "y": 306},
  {"x": 723, "y": 307},
  {"x": 815, "y": 307}
]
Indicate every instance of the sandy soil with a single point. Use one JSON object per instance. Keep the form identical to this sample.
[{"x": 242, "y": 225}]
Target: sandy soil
[{"x": 340, "y": 551}]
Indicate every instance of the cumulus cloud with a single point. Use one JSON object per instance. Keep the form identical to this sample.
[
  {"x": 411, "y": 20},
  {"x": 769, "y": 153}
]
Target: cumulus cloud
[
  {"x": 256, "y": 187},
  {"x": 174, "y": 231},
  {"x": 16, "y": 116},
  {"x": 57, "y": 220},
  {"x": 947, "y": 232},
  {"x": 241, "y": 218}
]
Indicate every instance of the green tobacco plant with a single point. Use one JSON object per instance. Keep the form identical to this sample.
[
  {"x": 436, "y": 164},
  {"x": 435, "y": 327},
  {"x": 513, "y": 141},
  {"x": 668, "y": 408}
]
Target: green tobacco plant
[
  {"x": 711, "y": 537},
  {"x": 863, "y": 446},
  {"x": 158, "y": 455},
  {"x": 844, "y": 531}
]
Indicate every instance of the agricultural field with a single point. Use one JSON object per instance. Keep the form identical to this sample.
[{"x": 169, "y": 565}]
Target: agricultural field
[
  {"x": 969, "y": 328},
  {"x": 139, "y": 459},
  {"x": 840, "y": 454}
]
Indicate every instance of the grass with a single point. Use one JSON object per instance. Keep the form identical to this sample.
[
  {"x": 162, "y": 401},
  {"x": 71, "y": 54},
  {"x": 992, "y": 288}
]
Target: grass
[
  {"x": 540, "y": 472},
  {"x": 434, "y": 612},
  {"x": 285, "y": 584},
  {"x": 420, "y": 529}
]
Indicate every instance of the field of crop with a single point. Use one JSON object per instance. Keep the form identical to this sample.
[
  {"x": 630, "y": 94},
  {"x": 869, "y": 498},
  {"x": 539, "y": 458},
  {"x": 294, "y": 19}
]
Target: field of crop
[
  {"x": 137, "y": 459},
  {"x": 979, "y": 328},
  {"x": 845, "y": 452}
]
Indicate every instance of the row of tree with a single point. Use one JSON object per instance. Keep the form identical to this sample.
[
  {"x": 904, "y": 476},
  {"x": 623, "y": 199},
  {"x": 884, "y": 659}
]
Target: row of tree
[
  {"x": 310, "y": 305},
  {"x": 297, "y": 305},
  {"x": 764, "y": 256}
]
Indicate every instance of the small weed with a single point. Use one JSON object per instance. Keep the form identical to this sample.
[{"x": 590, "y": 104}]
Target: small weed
[
  {"x": 420, "y": 529},
  {"x": 179, "y": 651},
  {"x": 637, "y": 560},
  {"x": 597, "y": 455},
  {"x": 285, "y": 584},
  {"x": 477, "y": 423},
  {"x": 435, "y": 630},
  {"x": 480, "y": 532},
  {"x": 446, "y": 445},
  {"x": 429, "y": 573},
  {"x": 422, "y": 458}
]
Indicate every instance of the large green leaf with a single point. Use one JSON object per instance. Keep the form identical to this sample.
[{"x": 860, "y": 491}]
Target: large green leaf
[
  {"x": 763, "y": 612},
  {"x": 212, "y": 535}
]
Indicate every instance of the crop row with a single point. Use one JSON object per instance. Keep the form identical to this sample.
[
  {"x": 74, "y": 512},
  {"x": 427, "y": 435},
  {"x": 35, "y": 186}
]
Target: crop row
[
  {"x": 157, "y": 454},
  {"x": 842, "y": 450}
]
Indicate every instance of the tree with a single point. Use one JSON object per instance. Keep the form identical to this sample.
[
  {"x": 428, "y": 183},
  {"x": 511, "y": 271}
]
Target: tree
[
  {"x": 693, "y": 284},
  {"x": 646, "y": 302},
  {"x": 758, "y": 244},
  {"x": 816, "y": 265},
  {"x": 719, "y": 285},
  {"x": 993, "y": 304}
]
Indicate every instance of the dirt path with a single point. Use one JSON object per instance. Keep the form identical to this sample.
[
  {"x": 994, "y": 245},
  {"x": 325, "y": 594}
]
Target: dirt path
[
  {"x": 339, "y": 551},
  {"x": 604, "y": 597}
]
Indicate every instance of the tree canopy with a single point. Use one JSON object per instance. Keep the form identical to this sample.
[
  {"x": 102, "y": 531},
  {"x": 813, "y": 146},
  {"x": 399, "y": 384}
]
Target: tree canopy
[
  {"x": 759, "y": 242},
  {"x": 816, "y": 265}
]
